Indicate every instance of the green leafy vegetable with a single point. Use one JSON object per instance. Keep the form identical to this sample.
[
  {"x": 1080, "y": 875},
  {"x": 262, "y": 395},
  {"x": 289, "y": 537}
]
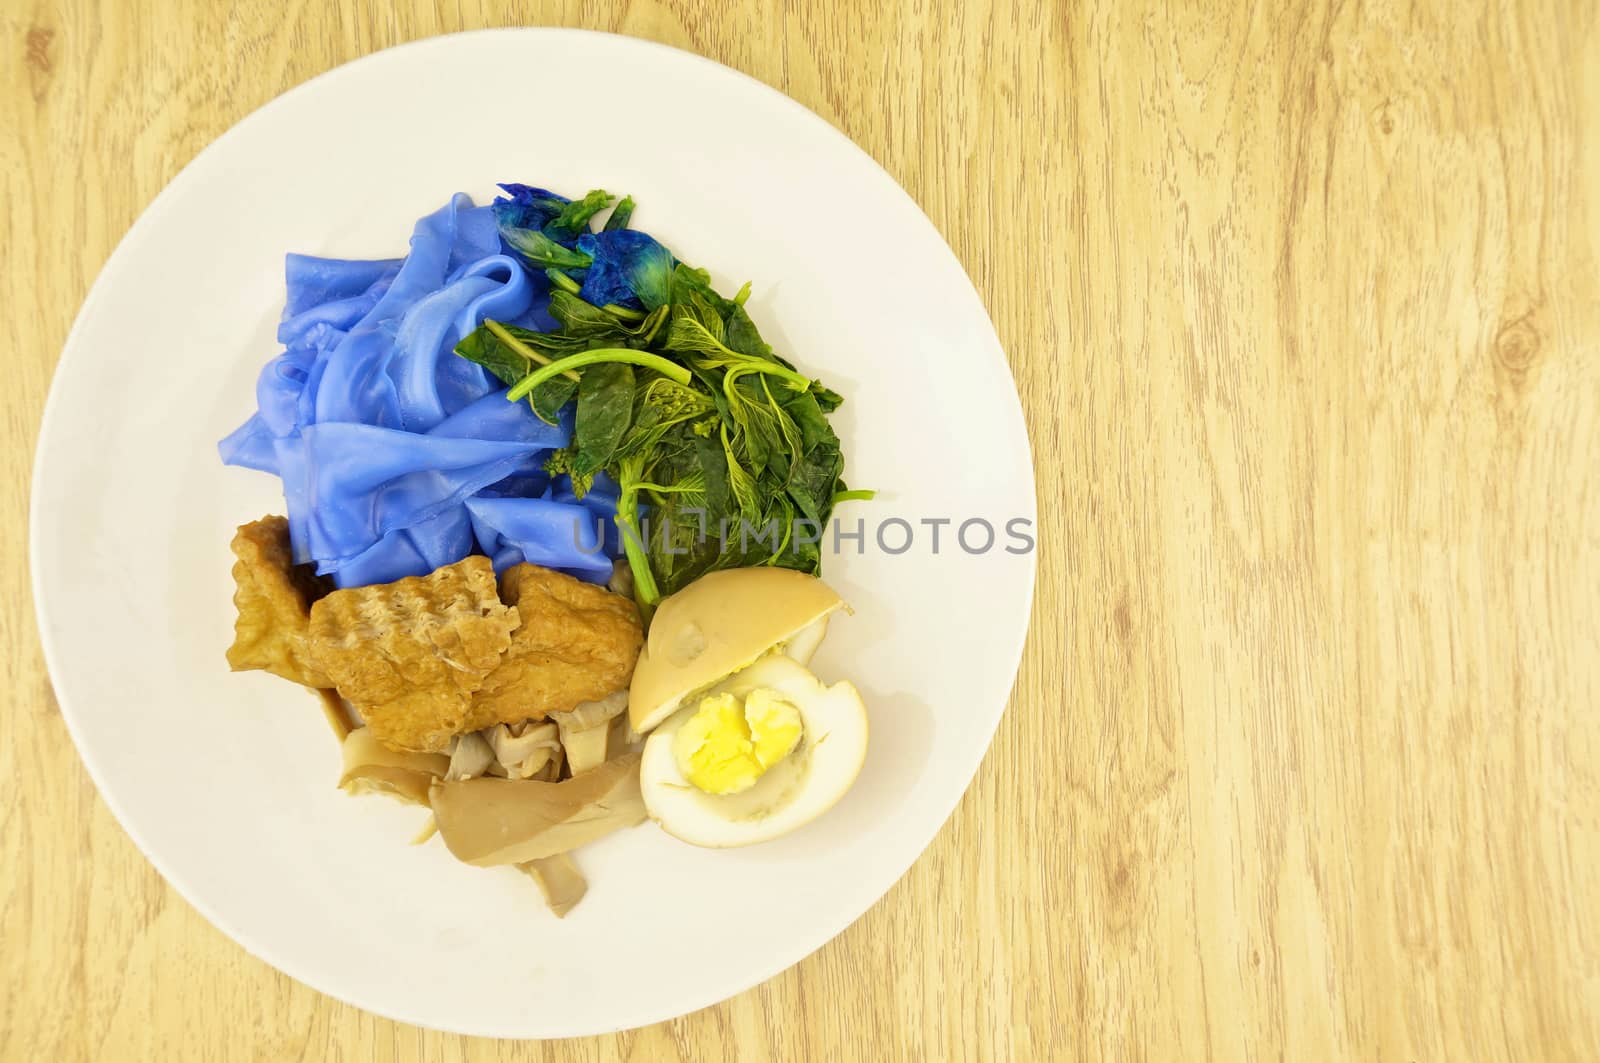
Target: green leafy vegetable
[
  {"x": 574, "y": 216},
  {"x": 579, "y": 318},
  {"x": 541, "y": 252},
  {"x": 721, "y": 449},
  {"x": 559, "y": 280},
  {"x": 595, "y": 357},
  {"x": 511, "y": 353},
  {"x": 621, "y": 216},
  {"x": 605, "y": 410},
  {"x": 548, "y": 400},
  {"x": 559, "y": 463}
]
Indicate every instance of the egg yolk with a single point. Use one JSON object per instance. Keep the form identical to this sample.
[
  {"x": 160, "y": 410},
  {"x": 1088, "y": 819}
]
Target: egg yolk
[{"x": 728, "y": 744}]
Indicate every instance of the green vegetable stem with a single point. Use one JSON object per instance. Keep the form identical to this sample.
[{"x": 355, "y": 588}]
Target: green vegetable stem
[{"x": 670, "y": 370}]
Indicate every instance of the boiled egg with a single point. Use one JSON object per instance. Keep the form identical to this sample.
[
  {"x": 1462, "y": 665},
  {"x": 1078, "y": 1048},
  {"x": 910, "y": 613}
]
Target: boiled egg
[
  {"x": 720, "y": 623},
  {"x": 758, "y": 755}
]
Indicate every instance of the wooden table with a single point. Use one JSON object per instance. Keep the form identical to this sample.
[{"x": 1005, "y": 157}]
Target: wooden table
[{"x": 1304, "y": 759}]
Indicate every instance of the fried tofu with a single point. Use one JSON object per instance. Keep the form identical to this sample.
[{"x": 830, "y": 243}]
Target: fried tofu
[
  {"x": 409, "y": 655},
  {"x": 273, "y": 597},
  {"x": 577, "y": 642},
  {"x": 426, "y": 658}
]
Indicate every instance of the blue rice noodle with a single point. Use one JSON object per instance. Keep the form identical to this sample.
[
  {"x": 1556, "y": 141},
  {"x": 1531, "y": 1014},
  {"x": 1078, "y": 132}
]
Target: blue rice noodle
[{"x": 397, "y": 456}]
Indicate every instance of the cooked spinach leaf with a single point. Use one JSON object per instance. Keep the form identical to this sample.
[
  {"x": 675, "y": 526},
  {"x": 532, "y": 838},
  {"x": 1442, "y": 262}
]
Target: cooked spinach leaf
[
  {"x": 605, "y": 410},
  {"x": 722, "y": 451},
  {"x": 511, "y": 353}
]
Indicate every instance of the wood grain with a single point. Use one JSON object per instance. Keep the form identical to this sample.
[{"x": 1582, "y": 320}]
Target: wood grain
[{"x": 1302, "y": 300}]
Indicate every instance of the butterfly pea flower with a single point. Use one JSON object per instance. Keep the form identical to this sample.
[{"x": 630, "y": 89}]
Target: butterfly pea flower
[
  {"x": 627, "y": 268},
  {"x": 526, "y": 207}
]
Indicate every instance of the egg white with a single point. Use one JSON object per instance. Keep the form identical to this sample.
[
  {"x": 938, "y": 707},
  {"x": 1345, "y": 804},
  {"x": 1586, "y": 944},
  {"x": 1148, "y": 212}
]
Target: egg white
[
  {"x": 802, "y": 645},
  {"x": 788, "y": 795}
]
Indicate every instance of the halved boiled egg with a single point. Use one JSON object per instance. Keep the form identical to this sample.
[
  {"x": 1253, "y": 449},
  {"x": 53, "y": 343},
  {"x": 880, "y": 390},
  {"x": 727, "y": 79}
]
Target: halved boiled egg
[
  {"x": 761, "y": 753},
  {"x": 720, "y": 623}
]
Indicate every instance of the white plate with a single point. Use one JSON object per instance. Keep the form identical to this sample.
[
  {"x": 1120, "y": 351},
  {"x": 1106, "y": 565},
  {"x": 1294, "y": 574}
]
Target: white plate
[{"x": 227, "y": 781}]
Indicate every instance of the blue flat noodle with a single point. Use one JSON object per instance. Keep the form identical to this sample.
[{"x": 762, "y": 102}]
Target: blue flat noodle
[
  {"x": 386, "y": 371},
  {"x": 382, "y": 436},
  {"x": 308, "y": 329},
  {"x": 559, "y": 535},
  {"x": 359, "y": 482},
  {"x": 411, "y": 551},
  {"x": 600, "y": 500},
  {"x": 527, "y": 481},
  {"x": 311, "y": 282},
  {"x": 492, "y": 417},
  {"x": 321, "y": 325}
]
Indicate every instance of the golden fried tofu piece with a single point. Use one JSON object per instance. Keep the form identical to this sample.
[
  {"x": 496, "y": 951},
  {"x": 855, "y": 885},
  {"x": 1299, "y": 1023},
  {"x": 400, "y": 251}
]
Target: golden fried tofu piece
[
  {"x": 410, "y": 654},
  {"x": 577, "y": 642},
  {"x": 273, "y": 596}
]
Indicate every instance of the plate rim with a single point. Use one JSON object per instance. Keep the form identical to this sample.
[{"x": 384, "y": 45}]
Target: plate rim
[{"x": 156, "y": 209}]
